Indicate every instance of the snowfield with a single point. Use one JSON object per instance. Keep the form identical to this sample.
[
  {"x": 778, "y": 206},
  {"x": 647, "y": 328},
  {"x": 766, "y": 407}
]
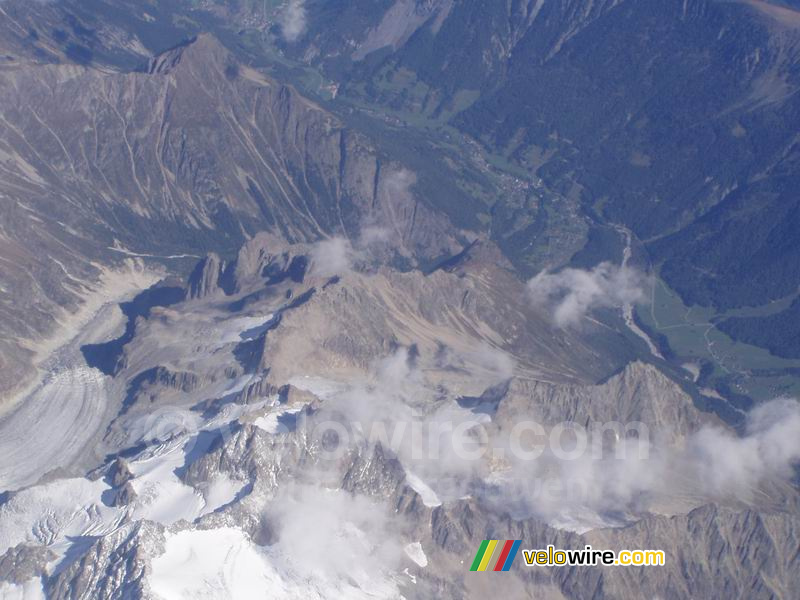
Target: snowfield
[
  {"x": 196, "y": 564},
  {"x": 49, "y": 514},
  {"x": 224, "y": 563},
  {"x": 30, "y": 590},
  {"x": 217, "y": 563}
]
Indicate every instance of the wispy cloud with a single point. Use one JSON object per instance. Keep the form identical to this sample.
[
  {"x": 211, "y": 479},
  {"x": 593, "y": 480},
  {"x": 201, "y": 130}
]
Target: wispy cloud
[
  {"x": 339, "y": 255},
  {"x": 397, "y": 407},
  {"x": 728, "y": 465},
  {"x": 329, "y": 532},
  {"x": 372, "y": 235},
  {"x": 450, "y": 451},
  {"x": 713, "y": 464},
  {"x": 293, "y": 20},
  {"x": 569, "y": 295},
  {"x": 333, "y": 256}
]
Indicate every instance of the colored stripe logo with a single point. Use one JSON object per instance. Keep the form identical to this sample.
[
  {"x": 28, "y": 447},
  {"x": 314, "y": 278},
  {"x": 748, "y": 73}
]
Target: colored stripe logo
[{"x": 499, "y": 553}]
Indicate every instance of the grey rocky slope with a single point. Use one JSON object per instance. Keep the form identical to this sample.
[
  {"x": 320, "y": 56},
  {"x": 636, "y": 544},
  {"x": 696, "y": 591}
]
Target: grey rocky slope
[
  {"x": 194, "y": 152},
  {"x": 215, "y": 444}
]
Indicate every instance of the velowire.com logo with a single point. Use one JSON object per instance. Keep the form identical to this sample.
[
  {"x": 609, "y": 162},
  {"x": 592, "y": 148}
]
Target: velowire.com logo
[{"x": 498, "y": 553}]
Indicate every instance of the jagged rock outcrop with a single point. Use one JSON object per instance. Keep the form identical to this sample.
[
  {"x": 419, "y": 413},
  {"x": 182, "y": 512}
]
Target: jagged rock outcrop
[
  {"x": 24, "y": 562},
  {"x": 375, "y": 474},
  {"x": 146, "y": 387},
  {"x": 207, "y": 422},
  {"x": 205, "y": 278},
  {"x": 114, "y": 567},
  {"x": 291, "y": 396},
  {"x": 710, "y": 552},
  {"x": 119, "y": 477},
  {"x": 257, "y": 391},
  {"x": 639, "y": 394}
]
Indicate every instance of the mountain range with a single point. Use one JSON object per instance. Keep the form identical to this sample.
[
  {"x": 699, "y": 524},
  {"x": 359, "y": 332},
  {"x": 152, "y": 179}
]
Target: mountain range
[{"x": 251, "y": 250}]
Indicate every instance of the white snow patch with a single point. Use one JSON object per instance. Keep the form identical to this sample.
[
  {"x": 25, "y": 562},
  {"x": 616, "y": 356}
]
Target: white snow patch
[
  {"x": 415, "y": 552},
  {"x": 224, "y": 563},
  {"x": 215, "y": 563},
  {"x": 30, "y": 590},
  {"x": 429, "y": 497},
  {"x": 221, "y": 490},
  {"x": 241, "y": 328},
  {"x": 49, "y": 514},
  {"x": 319, "y": 386},
  {"x": 232, "y": 412},
  {"x": 270, "y": 422},
  {"x": 160, "y": 495},
  {"x": 163, "y": 424},
  {"x": 51, "y": 427}
]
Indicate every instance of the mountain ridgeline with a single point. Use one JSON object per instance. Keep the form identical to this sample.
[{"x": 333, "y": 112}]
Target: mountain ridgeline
[
  {"x": 291, "y": 289},
  {"x": 192, "y": 152}
]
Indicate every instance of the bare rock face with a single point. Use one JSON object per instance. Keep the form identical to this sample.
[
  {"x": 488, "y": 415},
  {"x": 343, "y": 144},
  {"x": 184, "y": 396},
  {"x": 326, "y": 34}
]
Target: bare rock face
[
  {"x": 119, "y": 477},
  {"x": 758, "y": 549},
  {"x": 215, "y": 424},
  {"x": 337, "y": 288},
  {"x": 473, "y": 307},
  {"x": 115, "y": 566},
  {"x": 195, "y": 153},
  {"x": 691, "y": 543},
  {"x": 292, "y": 396},
  {"x": 758, "y": 545},
  {"x": 640, "y": 393},
  {"x": 23, "y": 562},
  {"x": 205, "y": 278},
  {"x": 119, "y": 472},
  {"x": 257, "y": 390}
]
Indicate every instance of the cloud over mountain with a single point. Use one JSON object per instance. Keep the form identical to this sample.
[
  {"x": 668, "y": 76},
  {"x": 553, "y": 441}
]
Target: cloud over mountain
[
  {"x": 293, "y": 20},
  {"x": 571, "y": 294}
]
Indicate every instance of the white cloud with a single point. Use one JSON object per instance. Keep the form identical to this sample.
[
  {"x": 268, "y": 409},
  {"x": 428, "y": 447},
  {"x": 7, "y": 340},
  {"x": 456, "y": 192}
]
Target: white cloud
[
  {"x": 330, "y": 532},
  {"x": 734, "y": 466},
  {"x": 396, "y": 407},
  {"x": 435, "y": 440},
  {"x": 333, "y": 256},
  {"x": 484, "y": 362},
  {"x": 571, "y": 294},
  {"x": 497, "y": 364},
  {"x": 293, "y": 20},
  {"x": 713, "y": 464},
  {"x": 373, "y": 234},
  {"x": 398, "y": 184},
  {"x": 338, "y": 255}
]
